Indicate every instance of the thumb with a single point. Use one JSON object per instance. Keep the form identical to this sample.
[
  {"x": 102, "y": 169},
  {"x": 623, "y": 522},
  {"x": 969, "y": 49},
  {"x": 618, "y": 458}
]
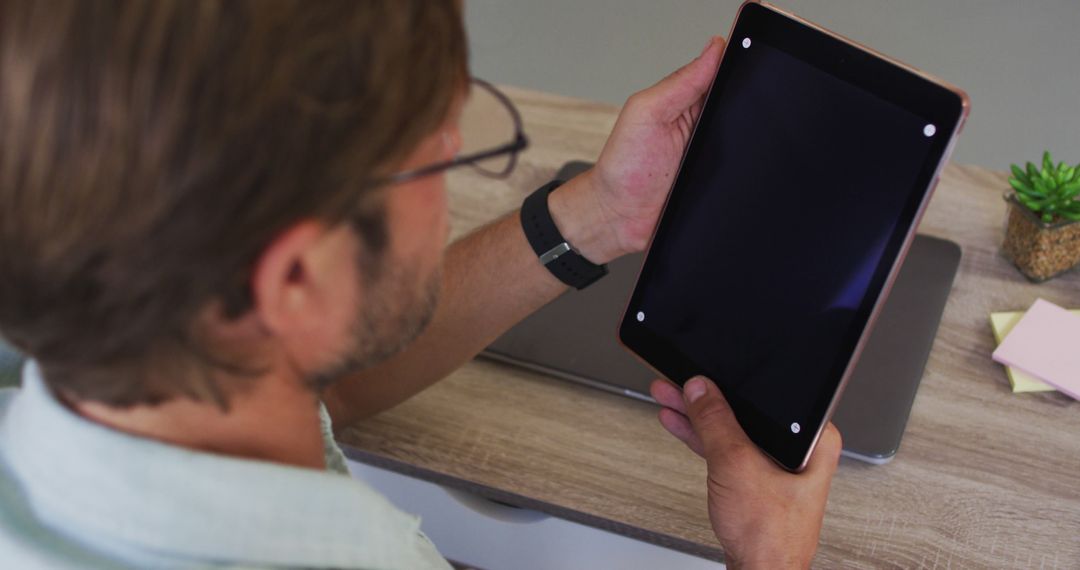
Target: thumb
[
  {"x": 711, "y": 416},
  {"x": 677, "y": 92}
]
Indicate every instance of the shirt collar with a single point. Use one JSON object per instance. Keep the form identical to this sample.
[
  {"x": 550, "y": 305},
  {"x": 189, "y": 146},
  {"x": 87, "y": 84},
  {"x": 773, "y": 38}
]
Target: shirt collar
[{"x": 94, "y": 481}]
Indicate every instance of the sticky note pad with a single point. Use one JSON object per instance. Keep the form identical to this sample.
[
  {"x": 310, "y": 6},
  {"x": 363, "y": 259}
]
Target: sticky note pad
[
  {"x": 1020, "y": 381},
  {"x": 1046, "y": 345}
]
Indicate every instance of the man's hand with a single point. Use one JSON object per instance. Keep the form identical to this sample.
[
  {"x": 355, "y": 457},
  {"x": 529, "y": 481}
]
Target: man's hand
[
  {"x": 612, "y": 209},
  {"x": 764, "y": 517}
]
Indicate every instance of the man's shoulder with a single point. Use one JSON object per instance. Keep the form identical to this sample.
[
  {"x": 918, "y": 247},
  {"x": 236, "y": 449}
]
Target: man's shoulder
[
  {"x": 25, "y": 541},
  {"x": 7, "y": 395}
]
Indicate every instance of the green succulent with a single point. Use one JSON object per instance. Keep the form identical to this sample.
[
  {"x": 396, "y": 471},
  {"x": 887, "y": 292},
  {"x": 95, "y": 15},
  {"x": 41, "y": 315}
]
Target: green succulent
[{"x": 1051, "y": 192}]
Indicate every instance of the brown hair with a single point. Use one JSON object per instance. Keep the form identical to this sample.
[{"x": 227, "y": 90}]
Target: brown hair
[{"x": 150, "y": 150}]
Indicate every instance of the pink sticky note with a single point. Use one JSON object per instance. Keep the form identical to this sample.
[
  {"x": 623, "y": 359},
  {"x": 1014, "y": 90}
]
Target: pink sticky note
[{"x": 1046, "y": 344}]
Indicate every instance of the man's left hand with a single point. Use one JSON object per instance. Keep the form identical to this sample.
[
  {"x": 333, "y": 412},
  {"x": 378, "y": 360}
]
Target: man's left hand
[{"x": 622, "y": 195}]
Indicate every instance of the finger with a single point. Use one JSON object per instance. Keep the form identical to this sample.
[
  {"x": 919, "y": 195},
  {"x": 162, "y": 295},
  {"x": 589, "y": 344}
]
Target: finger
[
  {"x": 677, "y": 425},
  {"x": 668, "y": 395},
  {"x": 712, "y": 417},
  {"x": 826, "y": 453},
  {"x": 686, "y": 86}
]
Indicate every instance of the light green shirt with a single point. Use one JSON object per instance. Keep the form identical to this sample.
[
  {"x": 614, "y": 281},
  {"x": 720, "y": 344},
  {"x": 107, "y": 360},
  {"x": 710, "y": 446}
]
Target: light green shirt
[{"x": 75, "y": 494}]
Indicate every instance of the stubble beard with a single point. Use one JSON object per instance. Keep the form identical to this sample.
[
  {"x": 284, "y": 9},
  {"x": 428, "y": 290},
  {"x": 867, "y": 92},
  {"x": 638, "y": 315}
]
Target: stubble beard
[{"x": 396, "y": 310}]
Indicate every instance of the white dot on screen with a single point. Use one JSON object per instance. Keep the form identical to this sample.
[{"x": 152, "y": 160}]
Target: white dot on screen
[
  {"x": 746, "y": 42},
  {"x": 929, "y": 130},
  {"x": 796, "y": 428},
  {"x": 640, "y": 317}
]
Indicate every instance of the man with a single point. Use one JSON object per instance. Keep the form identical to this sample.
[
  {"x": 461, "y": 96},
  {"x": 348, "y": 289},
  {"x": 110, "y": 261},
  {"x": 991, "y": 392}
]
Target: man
[{"x": 217, "y": 216}]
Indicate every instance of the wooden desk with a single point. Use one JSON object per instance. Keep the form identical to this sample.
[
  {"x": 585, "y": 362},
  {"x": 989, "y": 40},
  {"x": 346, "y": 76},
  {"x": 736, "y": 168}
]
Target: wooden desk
[{"x": 984, "y": 477}]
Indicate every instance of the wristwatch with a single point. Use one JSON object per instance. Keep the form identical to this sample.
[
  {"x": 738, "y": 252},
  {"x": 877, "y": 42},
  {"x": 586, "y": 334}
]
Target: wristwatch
[{"x": 555, "y": 253}]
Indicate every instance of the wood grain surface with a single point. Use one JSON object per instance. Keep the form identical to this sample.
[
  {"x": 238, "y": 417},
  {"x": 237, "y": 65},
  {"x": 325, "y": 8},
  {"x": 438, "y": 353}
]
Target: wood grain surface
[{"x": 983, "y": 478}]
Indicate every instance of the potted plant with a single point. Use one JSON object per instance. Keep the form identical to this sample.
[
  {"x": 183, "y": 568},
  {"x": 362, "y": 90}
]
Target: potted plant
[{"x": 1042, "y": 236}]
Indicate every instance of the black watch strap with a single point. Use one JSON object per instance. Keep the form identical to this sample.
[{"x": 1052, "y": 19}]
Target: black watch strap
[{"x": 551, "y": 247}]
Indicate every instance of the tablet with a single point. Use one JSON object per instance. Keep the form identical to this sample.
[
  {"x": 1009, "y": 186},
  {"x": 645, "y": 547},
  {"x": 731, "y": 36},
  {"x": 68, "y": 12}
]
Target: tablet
[{"x": 797, "y": 198}]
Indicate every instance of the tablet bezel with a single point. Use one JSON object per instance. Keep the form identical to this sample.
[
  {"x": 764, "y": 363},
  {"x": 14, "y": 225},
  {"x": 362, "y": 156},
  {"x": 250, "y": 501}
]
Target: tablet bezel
[{"x": 935, "y": 101}]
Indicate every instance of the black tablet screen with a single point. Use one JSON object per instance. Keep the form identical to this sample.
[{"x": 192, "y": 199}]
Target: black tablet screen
[{"x": 781, "y": 229}]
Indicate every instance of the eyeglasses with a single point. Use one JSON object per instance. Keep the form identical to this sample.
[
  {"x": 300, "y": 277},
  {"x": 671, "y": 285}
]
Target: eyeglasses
[{"x": 491, "y": 137}]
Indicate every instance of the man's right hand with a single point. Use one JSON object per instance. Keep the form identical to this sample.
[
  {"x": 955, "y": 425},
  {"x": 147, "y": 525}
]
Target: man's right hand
[{"x": 764, "y": 516}]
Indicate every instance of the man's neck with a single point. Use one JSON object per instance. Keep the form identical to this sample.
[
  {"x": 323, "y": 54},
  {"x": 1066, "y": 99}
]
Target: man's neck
[{"x": 275, "y": 421}]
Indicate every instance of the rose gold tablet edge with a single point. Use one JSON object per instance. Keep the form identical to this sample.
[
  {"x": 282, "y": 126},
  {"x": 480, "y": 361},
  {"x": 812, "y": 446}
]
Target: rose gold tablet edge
[
  {"x": 908, "y": 238},
  {"x": 965, "y": 102},
  {"x": 894, "y": 271},
  {"x": 965, "y": 108}
]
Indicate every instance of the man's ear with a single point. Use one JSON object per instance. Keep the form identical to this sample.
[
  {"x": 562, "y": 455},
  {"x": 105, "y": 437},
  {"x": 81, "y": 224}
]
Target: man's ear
[{"x": 297, "y": 278}]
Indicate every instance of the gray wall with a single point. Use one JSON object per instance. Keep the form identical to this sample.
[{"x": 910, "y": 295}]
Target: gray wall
[{"x": 1019, "y": 60}]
